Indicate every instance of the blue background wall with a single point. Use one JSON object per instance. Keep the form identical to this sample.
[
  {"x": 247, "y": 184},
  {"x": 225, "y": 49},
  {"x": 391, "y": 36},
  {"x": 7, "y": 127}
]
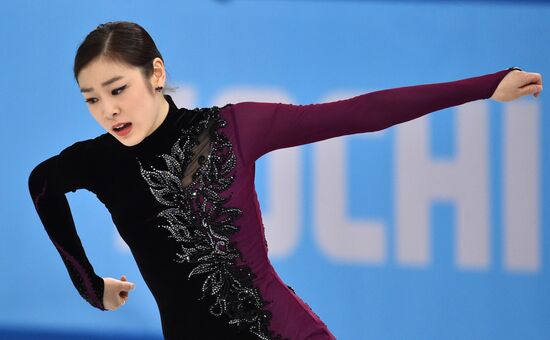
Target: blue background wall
[{"x": 300, "y": 52}]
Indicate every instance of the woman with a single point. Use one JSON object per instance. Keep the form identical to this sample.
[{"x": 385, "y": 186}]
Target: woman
[{"x": 179, "y": 185}]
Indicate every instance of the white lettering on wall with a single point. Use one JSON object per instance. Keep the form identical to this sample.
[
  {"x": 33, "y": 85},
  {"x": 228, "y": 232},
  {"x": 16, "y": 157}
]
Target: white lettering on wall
[
  {"x": 521, "y": 187},
  {"x": 120, "y": 244},
  {"x": 283, "y": 222},
  {"x": 462, "y": 180},
  {"x": 338, "y": 237}
]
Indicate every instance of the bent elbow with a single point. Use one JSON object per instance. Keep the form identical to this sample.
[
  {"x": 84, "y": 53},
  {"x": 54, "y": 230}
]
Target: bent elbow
[{"x": 38, "y": 181}]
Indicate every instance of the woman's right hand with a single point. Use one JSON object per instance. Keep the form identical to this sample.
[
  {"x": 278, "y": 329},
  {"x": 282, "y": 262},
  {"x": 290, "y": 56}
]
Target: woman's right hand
[{"x": 116, "y": 291}]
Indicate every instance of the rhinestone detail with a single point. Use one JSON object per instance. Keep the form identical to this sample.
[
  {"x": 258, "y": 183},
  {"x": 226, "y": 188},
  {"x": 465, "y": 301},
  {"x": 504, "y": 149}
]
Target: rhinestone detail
[{"x": 196, "y": 216}]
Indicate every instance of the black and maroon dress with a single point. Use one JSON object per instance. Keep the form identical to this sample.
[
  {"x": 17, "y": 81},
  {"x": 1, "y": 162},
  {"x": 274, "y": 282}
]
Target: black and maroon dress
[{"x": 184, "y": 201}]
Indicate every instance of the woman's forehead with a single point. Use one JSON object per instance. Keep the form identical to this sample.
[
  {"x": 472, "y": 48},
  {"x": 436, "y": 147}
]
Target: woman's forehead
[{"x": 101, "y": 72}]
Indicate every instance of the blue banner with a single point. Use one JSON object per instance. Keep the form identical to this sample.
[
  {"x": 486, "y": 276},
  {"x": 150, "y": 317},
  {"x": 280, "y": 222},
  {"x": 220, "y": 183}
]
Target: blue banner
[{"x": 431, "y": 229}]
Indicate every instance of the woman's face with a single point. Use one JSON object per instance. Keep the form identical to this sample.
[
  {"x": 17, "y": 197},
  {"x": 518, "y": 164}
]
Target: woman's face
[{"x": 117, "y": 93}]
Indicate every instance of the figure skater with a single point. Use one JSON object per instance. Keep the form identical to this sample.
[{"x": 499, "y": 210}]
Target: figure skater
[{"x": 179, "y": 185}]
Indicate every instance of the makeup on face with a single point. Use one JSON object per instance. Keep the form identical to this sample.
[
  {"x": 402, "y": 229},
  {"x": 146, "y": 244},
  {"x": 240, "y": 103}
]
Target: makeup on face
[{"x": 122, "y": 129}]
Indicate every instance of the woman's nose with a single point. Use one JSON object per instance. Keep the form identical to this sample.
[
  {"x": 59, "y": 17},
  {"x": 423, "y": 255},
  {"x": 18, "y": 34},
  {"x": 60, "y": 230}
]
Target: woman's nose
[
  {"x": 110, "y": 115},
  {"x": 110, "y": 112},
  {"x": 109, "y": 107}
]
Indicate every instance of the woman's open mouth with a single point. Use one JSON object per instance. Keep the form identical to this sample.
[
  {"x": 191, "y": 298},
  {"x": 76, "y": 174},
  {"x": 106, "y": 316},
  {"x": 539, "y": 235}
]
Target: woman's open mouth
[{"x": 122, "y": 129}]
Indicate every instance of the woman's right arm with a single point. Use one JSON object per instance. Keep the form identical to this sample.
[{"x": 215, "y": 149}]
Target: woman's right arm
[{"x": 48, "y": 182}]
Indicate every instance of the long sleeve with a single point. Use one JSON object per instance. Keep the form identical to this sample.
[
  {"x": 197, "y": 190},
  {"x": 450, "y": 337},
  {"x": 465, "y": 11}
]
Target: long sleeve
[
  {"x": 264, "y": 127},
  {"x": 48, "y": 182}
]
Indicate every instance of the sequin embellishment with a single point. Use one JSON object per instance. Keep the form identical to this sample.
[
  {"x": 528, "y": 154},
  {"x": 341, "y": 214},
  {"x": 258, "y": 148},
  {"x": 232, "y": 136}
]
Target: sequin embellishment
[{"x": 196, "y": 217}]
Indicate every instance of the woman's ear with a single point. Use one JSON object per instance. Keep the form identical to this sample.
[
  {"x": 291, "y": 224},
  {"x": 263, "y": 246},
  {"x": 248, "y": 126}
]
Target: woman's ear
[{"x": 159, "y": 73}]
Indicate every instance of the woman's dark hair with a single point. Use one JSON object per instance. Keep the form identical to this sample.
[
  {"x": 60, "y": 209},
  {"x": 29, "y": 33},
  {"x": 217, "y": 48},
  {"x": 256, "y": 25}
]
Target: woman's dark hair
[{"x": 118, "y": 41}]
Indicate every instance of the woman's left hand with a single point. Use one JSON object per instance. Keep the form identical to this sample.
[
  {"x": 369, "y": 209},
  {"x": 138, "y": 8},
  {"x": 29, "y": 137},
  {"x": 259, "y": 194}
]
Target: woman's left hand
[{"x": 517, "y": 84}]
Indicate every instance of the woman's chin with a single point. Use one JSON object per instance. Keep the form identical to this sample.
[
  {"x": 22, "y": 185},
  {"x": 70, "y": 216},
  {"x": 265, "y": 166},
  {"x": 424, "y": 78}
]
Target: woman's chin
[{"x": 127, "y": 141}]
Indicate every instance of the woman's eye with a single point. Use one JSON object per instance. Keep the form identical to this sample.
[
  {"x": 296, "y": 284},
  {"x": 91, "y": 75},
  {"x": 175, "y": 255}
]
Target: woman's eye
[
  {"x": 120, "y": 89},
  {"x": 114, "y": 92}
]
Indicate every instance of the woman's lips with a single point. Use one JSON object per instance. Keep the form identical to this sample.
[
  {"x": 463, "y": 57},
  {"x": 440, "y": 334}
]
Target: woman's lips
[{"x": 126, "y": 128}]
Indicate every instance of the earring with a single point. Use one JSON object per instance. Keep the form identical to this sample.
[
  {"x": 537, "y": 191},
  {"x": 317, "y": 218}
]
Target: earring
[{"x": 159, "y": 88}]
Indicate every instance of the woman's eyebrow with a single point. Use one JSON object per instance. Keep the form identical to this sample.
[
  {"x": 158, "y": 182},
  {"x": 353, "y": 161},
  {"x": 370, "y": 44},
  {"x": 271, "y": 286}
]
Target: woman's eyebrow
[{"x": 105, "y": 83}]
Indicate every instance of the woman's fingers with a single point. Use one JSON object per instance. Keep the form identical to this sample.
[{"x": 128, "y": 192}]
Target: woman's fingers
[
  {"x": 532, "y": 84},
  {"x": 530, "y": 89},
  {"x": 116, "y": 292},
  {"x": 123, "y": 296},
  {"x": 536, "y": 78},
  {"x": 129, "y": 286},
  {"x": 124, "y": 287}
]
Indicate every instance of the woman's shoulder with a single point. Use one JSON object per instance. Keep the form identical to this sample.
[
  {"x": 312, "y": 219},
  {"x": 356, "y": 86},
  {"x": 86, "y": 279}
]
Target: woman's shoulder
[
  {"x": 90, "y": 149},
  {"x": 90, "y": 144}
]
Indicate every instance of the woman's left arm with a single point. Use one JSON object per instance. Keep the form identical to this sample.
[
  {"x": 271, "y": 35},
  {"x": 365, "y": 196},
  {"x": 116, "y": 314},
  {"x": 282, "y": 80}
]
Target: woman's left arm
[{"x": 264, "y": 127}]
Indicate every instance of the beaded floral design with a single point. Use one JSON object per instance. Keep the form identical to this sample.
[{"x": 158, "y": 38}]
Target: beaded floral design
[{"x": 196, "y": 216}]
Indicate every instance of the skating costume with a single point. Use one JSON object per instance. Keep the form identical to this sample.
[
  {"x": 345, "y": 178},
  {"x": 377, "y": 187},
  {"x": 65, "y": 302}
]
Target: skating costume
[{"x": 184, "y": 201}]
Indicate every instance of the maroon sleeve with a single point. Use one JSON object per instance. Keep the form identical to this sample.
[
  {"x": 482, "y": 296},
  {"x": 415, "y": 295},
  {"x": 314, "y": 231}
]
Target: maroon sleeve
[
  {"x": 264, "y": 127},
  {"x": 48, "y": 182}
]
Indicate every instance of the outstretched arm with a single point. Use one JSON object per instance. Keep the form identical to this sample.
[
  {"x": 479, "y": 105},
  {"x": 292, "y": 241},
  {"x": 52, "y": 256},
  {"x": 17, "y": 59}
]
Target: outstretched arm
[
  {"x": 264, "y": 127},
  {"x": 48, "y": 182}
]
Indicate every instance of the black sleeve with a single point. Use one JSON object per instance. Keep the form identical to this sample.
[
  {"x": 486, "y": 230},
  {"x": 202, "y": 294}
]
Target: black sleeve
[{"x": 48, "y": 182}]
